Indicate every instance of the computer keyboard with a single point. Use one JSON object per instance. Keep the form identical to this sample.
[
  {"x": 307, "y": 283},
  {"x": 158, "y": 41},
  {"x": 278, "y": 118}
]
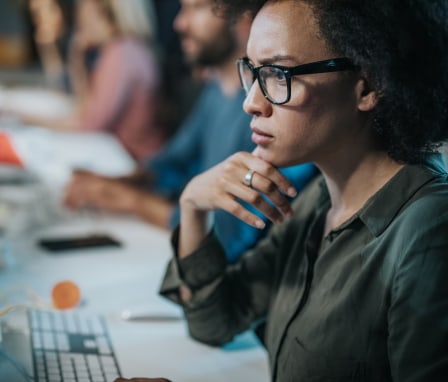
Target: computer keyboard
[{"x": 69, "y": 347}]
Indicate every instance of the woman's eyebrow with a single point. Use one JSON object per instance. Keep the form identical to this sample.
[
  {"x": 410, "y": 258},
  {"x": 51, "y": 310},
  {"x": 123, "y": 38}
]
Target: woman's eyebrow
[{"x": 279, "y": 59}]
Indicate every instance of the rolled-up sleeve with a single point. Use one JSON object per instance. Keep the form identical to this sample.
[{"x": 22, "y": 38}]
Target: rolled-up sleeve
[
  {"x": 196, "y": 271},
  {"x": 226, "y": 299}
]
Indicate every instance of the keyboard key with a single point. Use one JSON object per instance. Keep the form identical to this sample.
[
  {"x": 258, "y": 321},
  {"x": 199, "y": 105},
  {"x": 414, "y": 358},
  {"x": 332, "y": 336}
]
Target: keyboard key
[
  {"x": 37, "y": 343},
  {"x": 62, "y": 342},
  {"x": 68, "y": 374}
]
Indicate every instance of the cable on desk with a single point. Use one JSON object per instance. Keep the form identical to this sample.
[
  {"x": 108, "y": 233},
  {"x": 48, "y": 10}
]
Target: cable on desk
[
  {"x": 4, "y": 311},
  {"x": 36, "y": 301}
]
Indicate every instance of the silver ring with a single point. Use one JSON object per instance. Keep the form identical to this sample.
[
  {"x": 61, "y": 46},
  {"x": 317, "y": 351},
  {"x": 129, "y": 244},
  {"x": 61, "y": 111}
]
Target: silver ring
[{"x": 248, "y": 178}]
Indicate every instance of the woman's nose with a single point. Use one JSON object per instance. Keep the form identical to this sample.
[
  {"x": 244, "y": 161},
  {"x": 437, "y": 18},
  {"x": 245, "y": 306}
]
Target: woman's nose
[{"x": 256, "y": 103}]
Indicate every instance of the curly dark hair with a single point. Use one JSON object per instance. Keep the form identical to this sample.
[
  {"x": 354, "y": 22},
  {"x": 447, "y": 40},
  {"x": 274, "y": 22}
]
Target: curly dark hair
[{"x": 401, "y": 47}]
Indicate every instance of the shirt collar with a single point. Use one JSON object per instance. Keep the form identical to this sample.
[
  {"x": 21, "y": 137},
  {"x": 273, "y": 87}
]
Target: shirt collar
[{"x": 381, "y": 208}]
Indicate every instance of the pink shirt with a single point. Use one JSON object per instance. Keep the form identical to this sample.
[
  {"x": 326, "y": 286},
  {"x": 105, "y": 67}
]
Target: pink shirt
[{"x": 124, "y": 97}]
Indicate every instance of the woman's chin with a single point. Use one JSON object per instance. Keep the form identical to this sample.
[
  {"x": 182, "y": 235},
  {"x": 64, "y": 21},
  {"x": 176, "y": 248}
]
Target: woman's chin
[{"x": 274, "y": 159}]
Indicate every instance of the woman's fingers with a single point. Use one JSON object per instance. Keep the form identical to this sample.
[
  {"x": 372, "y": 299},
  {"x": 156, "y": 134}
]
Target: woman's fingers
[
  {"x": 236, "y": 209},
  {"x": 262, "y": 177},
  {"x": 242, "y": 177},
  {"x": 235, "y": 181},
  {"x": 267, "y": 187},
  {"x": 271, "y": 173}
]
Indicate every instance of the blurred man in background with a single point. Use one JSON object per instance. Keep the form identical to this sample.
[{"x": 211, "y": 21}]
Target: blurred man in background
[{"x": 216, "y": 128}]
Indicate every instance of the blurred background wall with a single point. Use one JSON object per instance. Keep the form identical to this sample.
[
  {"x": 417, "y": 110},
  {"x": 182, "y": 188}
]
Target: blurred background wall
[{"x": 15, "y": 36}]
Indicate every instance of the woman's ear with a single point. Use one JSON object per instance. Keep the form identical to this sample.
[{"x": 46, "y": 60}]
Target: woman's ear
[{"x": 367, "y": 98}]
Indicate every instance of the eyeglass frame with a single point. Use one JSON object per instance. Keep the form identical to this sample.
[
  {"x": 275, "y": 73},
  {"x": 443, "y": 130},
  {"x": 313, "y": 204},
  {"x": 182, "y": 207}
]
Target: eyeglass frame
[{"x": 325, "y": 66}]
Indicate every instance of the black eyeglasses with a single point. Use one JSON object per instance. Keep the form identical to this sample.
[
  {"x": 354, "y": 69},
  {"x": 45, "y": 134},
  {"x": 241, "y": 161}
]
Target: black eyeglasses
[{"x": 275, "y": 80}]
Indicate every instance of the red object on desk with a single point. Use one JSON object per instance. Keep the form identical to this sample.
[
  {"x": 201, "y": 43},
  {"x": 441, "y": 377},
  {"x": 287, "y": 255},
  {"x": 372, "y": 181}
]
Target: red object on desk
[{"x": 8, "y": 154}]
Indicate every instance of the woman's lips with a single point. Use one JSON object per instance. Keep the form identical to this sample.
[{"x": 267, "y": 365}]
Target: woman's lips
[{"x": 261, "y": 138}]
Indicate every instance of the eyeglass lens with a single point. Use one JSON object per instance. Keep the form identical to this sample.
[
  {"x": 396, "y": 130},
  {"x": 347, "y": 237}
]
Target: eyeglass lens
[{"x": 272, "y": 80}]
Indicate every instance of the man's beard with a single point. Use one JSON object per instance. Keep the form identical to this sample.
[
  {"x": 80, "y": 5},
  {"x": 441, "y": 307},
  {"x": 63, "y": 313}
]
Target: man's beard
[{"x": 215, "y": 53}]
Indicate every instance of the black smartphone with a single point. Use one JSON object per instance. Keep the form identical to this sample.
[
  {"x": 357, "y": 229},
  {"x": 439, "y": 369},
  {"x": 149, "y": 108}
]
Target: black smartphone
[{"x": 79, "y": 242}]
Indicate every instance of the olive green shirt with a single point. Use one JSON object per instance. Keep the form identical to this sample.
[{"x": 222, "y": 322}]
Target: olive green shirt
[{"x": 368, "y": 303}]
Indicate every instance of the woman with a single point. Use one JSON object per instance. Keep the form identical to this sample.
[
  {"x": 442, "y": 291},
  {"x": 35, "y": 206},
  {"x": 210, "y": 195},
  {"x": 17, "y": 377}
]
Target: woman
[
  {"x": 352, "y": 283},
  {"x": 52, "y": 21},
  {"x": 120, "y": 93}
]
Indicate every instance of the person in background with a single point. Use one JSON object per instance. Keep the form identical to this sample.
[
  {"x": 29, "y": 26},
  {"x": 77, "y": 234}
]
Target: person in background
[
  {"x": 120, "y": 94},
  {"x": 216, "y": 128},
  {"x": 352, "y": 278},
  {"x": 53, "y": 26},
  {"x": 180, "y": 87}
]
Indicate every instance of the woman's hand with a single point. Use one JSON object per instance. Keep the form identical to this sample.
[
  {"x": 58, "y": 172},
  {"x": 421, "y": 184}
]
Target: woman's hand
[
  {"x": 224, "y": 186},
  {"x": 241, "y": 177}
]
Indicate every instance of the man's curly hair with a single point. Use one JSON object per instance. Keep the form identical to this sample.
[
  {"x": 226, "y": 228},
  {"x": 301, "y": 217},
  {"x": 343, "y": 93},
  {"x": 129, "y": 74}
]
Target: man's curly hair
[{"x": 401, "y": 47}]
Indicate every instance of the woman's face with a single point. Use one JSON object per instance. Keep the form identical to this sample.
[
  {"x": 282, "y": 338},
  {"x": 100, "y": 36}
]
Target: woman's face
[
  {"x": 322, "y": 115},
  {"x": 48, "y": 19},
  {"x": 91, "y": 21},
  {"x": 205, "y": 36}
]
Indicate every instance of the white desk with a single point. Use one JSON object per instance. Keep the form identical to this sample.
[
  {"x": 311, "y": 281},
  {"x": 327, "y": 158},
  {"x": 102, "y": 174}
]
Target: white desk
[
  {"x": 52, "y": 155},
  {"x": 36, "y": 100},
  {"x": 49, "y": 157},
  {"x": 110, "y": 280},
  {"x": 114, "y": 279}
]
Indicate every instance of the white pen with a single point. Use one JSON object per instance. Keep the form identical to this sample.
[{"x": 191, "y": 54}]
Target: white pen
[{"x": 130, "y": 315}]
